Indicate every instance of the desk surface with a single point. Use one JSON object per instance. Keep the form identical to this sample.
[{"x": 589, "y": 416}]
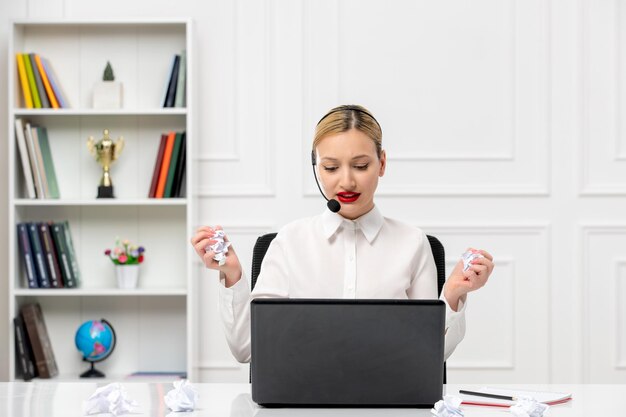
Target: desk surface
[{"x": 51, "y": 399}]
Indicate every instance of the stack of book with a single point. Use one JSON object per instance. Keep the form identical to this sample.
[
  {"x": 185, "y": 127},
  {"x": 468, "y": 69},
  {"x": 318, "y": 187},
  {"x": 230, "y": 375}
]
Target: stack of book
[
  {"x": 174, "y": 95},
  {"x": 33, "y": 349},
  {"x": 169, "y": 168},
  {"x": 36, "y": 159},
  {"x": 48, "y": 255},
  {"x": 40, "y": 85}
]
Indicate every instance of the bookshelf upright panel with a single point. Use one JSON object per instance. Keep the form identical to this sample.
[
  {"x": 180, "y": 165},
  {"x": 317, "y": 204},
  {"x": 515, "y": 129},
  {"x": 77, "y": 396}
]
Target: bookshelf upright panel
[{"x": 146, "y": 319}]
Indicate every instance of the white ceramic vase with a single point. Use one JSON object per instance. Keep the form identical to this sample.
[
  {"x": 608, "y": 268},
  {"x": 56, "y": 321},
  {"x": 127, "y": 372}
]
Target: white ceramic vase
[
  {"x": 107, "y": 95},
  {"x": 127, "y": 276}
]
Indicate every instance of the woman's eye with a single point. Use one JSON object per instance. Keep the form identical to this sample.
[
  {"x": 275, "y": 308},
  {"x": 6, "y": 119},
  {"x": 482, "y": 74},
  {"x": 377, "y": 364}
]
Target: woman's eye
[
  {"x": 361, "y": 167},
  {"x": 330, "y": 169}
]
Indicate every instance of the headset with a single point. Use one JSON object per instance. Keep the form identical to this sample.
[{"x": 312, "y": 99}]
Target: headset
[{"x": 332, "y": 204}]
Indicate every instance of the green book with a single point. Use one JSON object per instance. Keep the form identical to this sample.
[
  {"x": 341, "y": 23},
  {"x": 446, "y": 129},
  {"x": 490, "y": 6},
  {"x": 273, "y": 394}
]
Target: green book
[
  {"x": 48, "y": 163},
  {"x": 72, "y": 255},
  {"x": 169, "y": 183},
  {"x": 58, "y": 236},
  {"x": 31, "y": 81}
]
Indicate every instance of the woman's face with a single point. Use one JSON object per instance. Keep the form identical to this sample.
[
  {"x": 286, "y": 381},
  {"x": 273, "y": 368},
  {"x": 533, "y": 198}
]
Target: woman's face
[{"x": 349, "y": 168}]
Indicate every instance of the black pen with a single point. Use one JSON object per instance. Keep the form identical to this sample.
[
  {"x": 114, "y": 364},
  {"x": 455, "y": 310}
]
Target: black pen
[{"x": 483, "y": 394}]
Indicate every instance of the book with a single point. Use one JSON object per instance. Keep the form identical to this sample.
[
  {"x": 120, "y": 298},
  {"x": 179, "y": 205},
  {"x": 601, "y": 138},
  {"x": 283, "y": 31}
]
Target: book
[
  {"x": 39, "y": 257},
  {"x": 171, "y": 89},
  {"x": 550, "y": 398},
  {"x": 39, "y": 340},
  {"x": 180, "y": 167},
  {"x": 169, "y": 182},
  {"x": 48, "y": 163},
  {"x": 54, "y": 83},
  {"x": 39, "y": 159},
  {"x": 181, "y": 89},
  {"x": 46, "y": 83},
  {"x": 31, "y": 81},
  {"x": 165, "y": 166},
  {"x": 24, "y": 158},
  {"x": 21, "y": 71},
  {"x": 157, "y": 167},
  {"x": 58, "y": 236},
  {"x": 30, "y": 144},
  {"x": 56, "y": 279},
  {"x": 26, "y": 253},
  {"x": 45, "y": 103},
  {"x": 72, "y": 254},
  {"x": 23, "y": 350}
]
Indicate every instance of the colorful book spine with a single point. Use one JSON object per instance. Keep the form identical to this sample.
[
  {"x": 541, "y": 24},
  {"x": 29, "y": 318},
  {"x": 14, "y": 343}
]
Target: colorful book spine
[
  {"x": 157, "y": 167},
  {"x": 23, "y": 350},
  {"x": 39, "y": 160},
  {"x": 56, "y": 279},
  {"x": 46, "y": 83},
  {"x": 39, "y": 340},
  {"x": 21, "y": 71},
  {"x": 54, "y": 83},
  {"x": 180, "y": 168},
  {"x": 24, "y": 158},
  {"x": 31, "y": 81},
  {"x": 27, "y": 256},
  {"x": 45, "y": 103},
  {"x": 40, "y": 259},
  {"x": 58, "y": 236},
  {"x": 172, "y": 168},
  {"x": 72, "y": 254},
  {"x": 180, "y": 84},
  {"x": 48, "y": 163},
  {"x": 167, "y": 157},
  {"x": 171, "y": 89}
]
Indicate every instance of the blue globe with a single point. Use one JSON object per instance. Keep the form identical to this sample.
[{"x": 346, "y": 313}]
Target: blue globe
[{"x": 95, "y": 339}]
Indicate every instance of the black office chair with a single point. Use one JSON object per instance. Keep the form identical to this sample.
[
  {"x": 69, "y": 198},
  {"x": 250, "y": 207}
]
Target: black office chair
[{"x": 263, "y": 243}]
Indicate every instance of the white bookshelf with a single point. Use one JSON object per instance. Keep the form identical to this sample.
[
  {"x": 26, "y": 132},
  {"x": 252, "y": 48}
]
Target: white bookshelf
[{"x": 152, "y": 322}]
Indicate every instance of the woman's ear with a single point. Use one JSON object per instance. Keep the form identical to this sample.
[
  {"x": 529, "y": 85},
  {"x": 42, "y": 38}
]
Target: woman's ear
[{"x": 383, "y": 163}]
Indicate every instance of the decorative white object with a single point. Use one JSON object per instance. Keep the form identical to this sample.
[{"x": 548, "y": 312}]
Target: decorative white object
[
  {"x": 127, "y": 276},
  {"x": 107, "y": 95}
]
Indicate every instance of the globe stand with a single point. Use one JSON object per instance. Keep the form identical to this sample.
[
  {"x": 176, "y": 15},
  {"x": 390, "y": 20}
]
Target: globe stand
[{"x": 92, "y": 373}]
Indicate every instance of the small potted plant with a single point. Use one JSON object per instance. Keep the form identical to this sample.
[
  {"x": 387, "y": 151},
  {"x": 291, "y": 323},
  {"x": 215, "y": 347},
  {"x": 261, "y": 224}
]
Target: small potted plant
[
  {"x": 126, "y": 258},
  {"x": 107, "y": 94}
]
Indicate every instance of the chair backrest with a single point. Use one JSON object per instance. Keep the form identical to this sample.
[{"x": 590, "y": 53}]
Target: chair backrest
[{"x": 263, "y": 243}]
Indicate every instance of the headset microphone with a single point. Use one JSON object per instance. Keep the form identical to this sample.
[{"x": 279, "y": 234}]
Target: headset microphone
[{"x": 332, "y": 204}]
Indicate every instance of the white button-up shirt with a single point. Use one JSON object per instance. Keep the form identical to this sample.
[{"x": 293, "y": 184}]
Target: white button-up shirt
[{"x": 328, "y": 256}]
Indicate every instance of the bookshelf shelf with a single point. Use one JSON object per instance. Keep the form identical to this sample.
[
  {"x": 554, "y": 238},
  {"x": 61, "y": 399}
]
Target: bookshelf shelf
[
  {"x": 101, "y": 292},
  {"x": 160, "y": 310},
  {"x": 95, "y": 112},
  {"x": 154, "y": 202}
]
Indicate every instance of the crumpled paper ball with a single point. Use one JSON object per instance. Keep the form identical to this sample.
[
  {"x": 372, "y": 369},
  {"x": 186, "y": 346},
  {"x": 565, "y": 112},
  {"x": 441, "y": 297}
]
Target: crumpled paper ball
[
  {"x": 183, "y": 397},
  {"x": 220, "y": 247},
  {"x": 112, "y": 399},
  {"x": 529, "y": 407},
  {"x": 448, "y": 407}
]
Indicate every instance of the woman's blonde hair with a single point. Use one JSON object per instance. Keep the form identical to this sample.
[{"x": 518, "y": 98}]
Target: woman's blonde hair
[{"x": 346, "y": 117}]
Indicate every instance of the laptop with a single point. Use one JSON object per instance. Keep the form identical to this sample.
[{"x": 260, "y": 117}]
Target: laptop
[{"x": 347, "y": 353}]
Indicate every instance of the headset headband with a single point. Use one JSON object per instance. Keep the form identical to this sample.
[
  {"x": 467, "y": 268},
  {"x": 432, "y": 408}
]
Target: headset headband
[{"x": 350, "y": 107}]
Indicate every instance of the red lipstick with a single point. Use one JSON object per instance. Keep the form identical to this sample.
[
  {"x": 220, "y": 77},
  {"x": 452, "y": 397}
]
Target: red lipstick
[{"x": 348, "y": 197}]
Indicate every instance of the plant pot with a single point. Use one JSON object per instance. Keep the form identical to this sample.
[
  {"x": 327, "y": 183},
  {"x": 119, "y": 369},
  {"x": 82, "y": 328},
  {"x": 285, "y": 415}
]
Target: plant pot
[
  {"x": 127, "y": 276},
  {"x": 107, "y": 95}
]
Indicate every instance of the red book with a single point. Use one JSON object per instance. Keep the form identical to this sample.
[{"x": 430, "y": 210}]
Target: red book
[
  {"x": 157, "y": 167},
  {"x": 165, "y": 166}
]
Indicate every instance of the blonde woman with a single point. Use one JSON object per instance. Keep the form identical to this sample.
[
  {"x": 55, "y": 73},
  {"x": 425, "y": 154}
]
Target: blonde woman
[{"x": 353, "y": 253}]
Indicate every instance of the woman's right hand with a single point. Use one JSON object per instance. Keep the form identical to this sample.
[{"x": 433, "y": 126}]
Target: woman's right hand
[{"x": 202, "y": 240}]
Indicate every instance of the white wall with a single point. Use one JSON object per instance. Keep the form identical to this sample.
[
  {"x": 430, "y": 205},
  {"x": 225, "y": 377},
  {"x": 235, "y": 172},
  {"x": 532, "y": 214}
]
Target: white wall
[{"x": 503, "y": 125}]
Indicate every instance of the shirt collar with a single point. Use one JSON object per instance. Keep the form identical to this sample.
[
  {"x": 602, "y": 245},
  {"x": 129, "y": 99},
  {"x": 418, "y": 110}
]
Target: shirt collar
[{"x": 370, "y": 223}]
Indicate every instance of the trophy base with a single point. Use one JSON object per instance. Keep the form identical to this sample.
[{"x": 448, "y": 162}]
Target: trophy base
[{"x": 105, "y": 191}]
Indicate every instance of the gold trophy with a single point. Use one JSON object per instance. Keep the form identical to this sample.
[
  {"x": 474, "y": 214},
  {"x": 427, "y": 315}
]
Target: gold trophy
[{"x": 105, "y": 152}]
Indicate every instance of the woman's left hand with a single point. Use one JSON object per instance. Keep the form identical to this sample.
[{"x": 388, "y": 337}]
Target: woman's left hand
[{"x": 461, "y": 282}]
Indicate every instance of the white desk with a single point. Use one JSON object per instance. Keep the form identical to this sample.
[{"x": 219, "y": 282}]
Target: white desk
[{"x": 64, "y": 399}]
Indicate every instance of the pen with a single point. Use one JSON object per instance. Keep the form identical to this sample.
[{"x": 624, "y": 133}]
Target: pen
[{"x": 484, "y": 394}]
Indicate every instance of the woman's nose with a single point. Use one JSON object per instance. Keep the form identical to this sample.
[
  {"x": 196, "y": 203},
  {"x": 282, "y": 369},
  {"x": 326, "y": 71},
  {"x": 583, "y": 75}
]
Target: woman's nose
[{"x": 347, "y": 179}]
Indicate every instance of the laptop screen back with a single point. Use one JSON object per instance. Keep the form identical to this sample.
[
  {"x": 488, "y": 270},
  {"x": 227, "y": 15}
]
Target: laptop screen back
[{"x": 309, "y": 352}]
